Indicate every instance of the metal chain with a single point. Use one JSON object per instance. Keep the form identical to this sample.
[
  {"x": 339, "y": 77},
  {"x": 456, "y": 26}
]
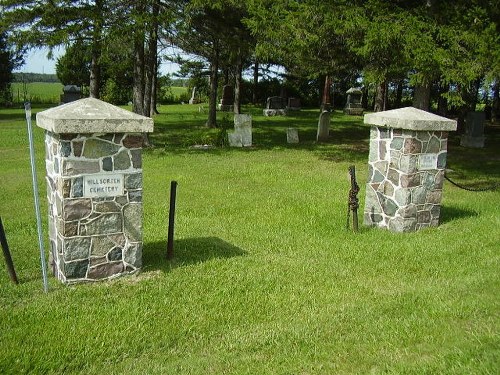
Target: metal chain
[
  {"x": 489, "y": 188},
  {"x": 353, "y": 201}
]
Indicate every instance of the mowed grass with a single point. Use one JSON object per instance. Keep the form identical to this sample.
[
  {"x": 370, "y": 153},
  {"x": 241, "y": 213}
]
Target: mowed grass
[{"x": 266, "y": 279}]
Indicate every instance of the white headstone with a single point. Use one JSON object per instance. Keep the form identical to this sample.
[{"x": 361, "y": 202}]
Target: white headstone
[
  {"x": 243, "y": 127},
  {"x": 292, "y": 135}
]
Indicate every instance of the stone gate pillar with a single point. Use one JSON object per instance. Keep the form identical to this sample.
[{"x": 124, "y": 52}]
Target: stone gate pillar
[
  {"x": 407, "y": 159},
  {"x": 94, "y": 189}
]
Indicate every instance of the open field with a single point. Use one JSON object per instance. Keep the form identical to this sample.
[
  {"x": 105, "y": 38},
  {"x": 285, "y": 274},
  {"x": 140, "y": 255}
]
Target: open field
[
  {"x": 37, "y": 92},
  {"x": 266, "y": 279},
  {"x": 49, "y": 93}
]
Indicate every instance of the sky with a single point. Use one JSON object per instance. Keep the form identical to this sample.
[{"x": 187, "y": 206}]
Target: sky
[{"x": 37, "y": 62}]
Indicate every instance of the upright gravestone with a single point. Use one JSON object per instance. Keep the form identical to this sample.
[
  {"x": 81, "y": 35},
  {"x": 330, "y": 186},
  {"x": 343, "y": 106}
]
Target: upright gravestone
[
  {"x": 292, "y": 135},
  {"x": 474, "y": 130},
  {"x": 70, "y": 93},
  {"x": 407, "y": 159},
  {"x": 275, "y": 106},
  {"x": 242, "y": 135},
  {"x": 323, "y": 127},
  {"x": 193, "y": 100},
  {"x": 94, "y": 189},
  {"x": 293, "y": 104},
  {"x": 226, "y": 103},
  {"x": 353, "y": 104}
]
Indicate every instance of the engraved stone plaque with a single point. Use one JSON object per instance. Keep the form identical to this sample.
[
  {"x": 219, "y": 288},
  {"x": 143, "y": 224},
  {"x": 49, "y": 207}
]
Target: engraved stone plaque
[
  {"x": 102, "y": 185},
  {"x": 427, "y": 161}
]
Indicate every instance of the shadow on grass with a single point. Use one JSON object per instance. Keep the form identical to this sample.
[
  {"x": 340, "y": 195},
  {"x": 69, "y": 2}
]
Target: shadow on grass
[
  {"x": 450, "y": 213},
  {"x": 187, "y": 251}
]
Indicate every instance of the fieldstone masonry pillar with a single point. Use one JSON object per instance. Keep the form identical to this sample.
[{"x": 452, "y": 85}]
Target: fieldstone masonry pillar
[
  {"x": 94, "y": 189},
  {"x": 407, "y": 159}
]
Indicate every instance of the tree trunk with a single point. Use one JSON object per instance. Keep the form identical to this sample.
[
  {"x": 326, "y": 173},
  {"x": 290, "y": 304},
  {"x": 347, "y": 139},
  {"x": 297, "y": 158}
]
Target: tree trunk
[
  {"x": 380, "y": 97},
  {"x": 237, "y": 84},
  {"x": 325, "y": 102},
  {"x": 422, "y": 96},
  {"x": 150, "y": 61},
  {"x": 154, "y": 90},
  {"x": 474, "y": 95},
  {"x": 495, "y": 107},
  {"x": 95, "y": 67},
  {"x": 442, "y": 106},
  {"x": 255, "y": 82},
  {"x": 138, "y": 89},
  {"x": 138, "y": 74},
  {"x": 214, "y": 83},
  {"x": 95, "y": 71},
  {"x": 399, "y": 94}
]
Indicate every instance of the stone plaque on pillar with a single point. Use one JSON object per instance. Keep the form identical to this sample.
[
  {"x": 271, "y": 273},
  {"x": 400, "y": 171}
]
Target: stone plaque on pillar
[
  {"x": 407, "y": 159},
  {"x": 94, "y": 189}
]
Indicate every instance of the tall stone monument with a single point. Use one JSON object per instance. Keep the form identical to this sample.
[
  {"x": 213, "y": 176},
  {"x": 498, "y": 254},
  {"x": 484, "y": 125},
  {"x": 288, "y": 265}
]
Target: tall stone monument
[
  {"x": 323, "y": 132},
  {"x": 94, "y": 189},
  {"x": 474, "y": 130},
  {"x": 407, "y": 159}
]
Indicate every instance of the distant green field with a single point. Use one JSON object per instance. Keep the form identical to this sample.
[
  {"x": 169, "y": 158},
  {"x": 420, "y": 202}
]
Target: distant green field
[
  {"x": 49, "y": 93},
  {"x": 37, "y": 92}
]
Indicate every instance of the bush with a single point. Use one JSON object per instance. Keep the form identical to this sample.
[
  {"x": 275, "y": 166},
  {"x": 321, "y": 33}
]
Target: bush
[{"x": 114, "y": 94}]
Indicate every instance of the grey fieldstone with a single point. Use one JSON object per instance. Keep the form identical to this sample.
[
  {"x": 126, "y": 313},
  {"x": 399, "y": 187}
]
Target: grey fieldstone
[
  {"x": 107, "y": 164},
  {"x": 122, "y": 160},
  {"x": 76, "y": 209},
  {"x": 132, "y": 255},
  {"x": 76, "y": 269},
  {"x": 104, "y": 224},
  {"x": 76, "y": 248},
  {"x": 95, "y": 148},
  {"x": 132, "y": 219},
  {"x": 115, "y": 254},
  {"x": 106, "y": 270},
  {"x": 76, "y": 167},
  {"x": 77, "y": 187},
  {"x": 133, "y": 181},
  {"x": 136, "y": 156}
]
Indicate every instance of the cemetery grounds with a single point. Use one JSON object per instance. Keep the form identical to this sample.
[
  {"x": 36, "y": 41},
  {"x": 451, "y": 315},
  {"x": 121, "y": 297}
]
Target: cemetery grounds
[{"x": 266, "y": 278}]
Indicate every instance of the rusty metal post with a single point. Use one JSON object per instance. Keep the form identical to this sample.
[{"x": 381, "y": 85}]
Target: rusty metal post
[{"x": 6, "y": 254}]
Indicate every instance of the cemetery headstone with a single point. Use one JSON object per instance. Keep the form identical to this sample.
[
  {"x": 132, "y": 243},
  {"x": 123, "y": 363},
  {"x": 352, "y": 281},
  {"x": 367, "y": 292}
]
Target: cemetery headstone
[
  {"x": 94, "y": 189},
  {"x": 353, "y": 104},
  {"x": 292, "y": 135},
  {"x": 275, "y": 106},
  {"x": 226, "y": 103},
  {"x": 293, "y": 104},
  {"x": 193, "y": 99},
  {"x": 474, "y": 130},
  {"x": 242, "y": 135},
  {"x": 70, "y": 94},
  {"x": 323, "y": 127},
  {"x": 407, "y": 160}
]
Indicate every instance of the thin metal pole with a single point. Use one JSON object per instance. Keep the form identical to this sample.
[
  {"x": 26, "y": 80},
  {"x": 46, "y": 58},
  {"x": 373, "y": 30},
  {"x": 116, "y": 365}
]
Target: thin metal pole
[
  {"x": 27, "y": 107},
  {"x": 6, "y": 254},
  {"x": 171, "y": 217}
]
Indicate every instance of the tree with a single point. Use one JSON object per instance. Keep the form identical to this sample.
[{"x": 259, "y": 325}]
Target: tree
[
  {"x": 8, "y": 61},
  {"x": 309, "y": 38},
  {"x": 32, "y": 23}
]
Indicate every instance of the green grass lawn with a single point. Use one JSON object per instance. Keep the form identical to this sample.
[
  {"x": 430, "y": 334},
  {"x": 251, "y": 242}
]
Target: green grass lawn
[{"x": 266, "y": 279}]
